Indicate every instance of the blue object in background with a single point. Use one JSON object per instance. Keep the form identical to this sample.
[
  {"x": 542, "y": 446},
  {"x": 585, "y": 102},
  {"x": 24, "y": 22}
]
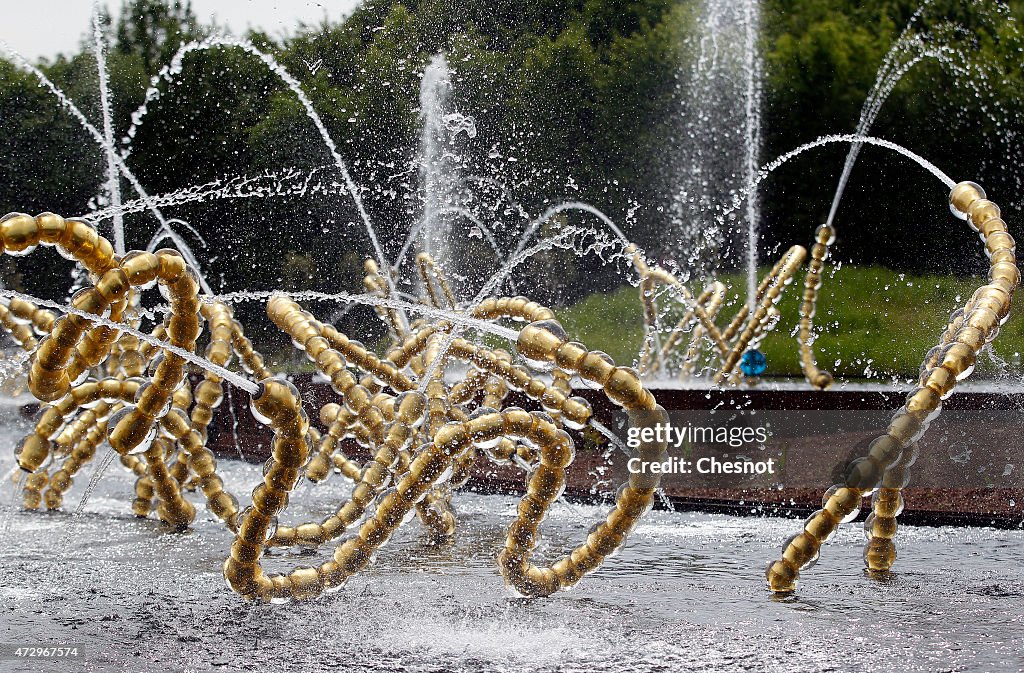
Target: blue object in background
[{"x": 753, "y": 363}]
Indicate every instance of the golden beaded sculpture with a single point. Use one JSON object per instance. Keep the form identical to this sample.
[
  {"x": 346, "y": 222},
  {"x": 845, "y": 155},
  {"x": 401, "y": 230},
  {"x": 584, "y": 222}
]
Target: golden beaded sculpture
[
  {"x": 90, "y": 371},
  {"x": 883, "y": 472},
  {"x": 744, "y": 332}
]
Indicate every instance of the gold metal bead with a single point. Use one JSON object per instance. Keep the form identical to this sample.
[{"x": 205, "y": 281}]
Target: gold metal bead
[
  {"x": 130, "y": 432},
  {"x": 958, "y": 359},
  {"x": 452, "y": 437},
  {"x": 843, "y": 502},
  {"x": 782, "y": 577},
  {"x": 277, "y": 401},
  {"x": 80, "y": 239},
  {"x": 171, "y": 265},
  {"x": 962, "y": 196},
  {"x": 597, "y": 367},
  {"x": 624, "y": 387},
  {"x": 982, "y": 210},
  {"x": 880, "y": 554},
  {"x": 801, "y": 550},
  {"x": 20, "y": 233},
  {"x": 884, "y": 527},
  {"x": 33, "y": 453},
  {"x": 140, "y": 267},
  {"x": 539, "y": 340},
  {"x": 51, "y": 228}
]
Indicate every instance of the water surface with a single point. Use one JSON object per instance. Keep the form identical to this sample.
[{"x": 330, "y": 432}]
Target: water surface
[{"x": 685, "y": 594}]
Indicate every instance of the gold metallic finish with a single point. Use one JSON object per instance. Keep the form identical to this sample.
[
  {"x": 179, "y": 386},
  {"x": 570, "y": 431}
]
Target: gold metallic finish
[
  {"x": 884, "y": 471},
  {"x": 702, "y": 311},
  {"x": 423, "y": 436},
  {"x": 417, "y": 443}
]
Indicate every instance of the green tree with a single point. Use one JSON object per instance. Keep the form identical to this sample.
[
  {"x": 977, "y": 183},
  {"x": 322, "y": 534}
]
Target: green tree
[
  {"x": 573, "y": 99},
  {"x": 153, "y": 29}
]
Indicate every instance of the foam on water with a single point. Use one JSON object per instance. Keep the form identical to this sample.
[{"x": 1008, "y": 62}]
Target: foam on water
[{"x": 501, "y": 641}]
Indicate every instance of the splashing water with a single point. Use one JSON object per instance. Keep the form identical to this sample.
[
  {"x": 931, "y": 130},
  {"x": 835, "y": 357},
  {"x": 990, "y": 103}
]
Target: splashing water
[
  {"x": 908, "y": 50},
  {"x": 113, "y": 179},
  {"x": 167, "y": 232},
  {"x": 717, "y": 146},
  {"x": 61, "y": 568},
  {"x": 12, "y": 502},
  {"x": 568, "y": 237},
  {"x": 464, "y": 213},
  {"x": 369, "y": 300},
  {"x": 234, "y": 427},
  {"x": 440, "y": 125},
  {"x": 115, "y": 164},
  {"x": 168, "y": 73},
  {"x": 752, "y": 139},
  {"x": 237, "y": 186},
  {"x": 11, "y": 366},
  {"x": 438, "y": 163},
  {"x": 532, "y": 227},
  {"x": 235, "y": 379},
  {"x": 777, "y": 163},
  {"x": 94, "y": 480},
  {"x": 100, "y": 140},
  {"x": 286, "y": 183}
]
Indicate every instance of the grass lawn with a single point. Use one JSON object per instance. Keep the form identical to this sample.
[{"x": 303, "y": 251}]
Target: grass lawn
[{"x": 877, "y": 323}]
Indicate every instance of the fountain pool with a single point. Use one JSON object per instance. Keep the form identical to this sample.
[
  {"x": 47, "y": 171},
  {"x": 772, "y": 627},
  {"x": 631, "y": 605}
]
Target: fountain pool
[{"x": 680, "y": 592}]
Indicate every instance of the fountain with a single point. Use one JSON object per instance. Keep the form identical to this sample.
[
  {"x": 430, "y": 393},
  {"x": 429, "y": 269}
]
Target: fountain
[
  {"x": 439, "y": 171},
  {"x": 421, "y": 438},
  {"x": 720, "y": 138},
  {"x": 467, "y": 387},
  {"x": 416, "y": 426},
  {"x": 883, "y": 472}
]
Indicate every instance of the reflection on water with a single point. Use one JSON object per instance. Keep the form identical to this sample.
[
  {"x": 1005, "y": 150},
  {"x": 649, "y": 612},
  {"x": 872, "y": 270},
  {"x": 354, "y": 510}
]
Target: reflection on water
[{"x": 685, "y": 594}]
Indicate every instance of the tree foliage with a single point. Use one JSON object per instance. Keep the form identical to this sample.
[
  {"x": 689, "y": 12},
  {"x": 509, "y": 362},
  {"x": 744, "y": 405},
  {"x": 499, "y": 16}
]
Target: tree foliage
[{"x": 572, "y": 99}]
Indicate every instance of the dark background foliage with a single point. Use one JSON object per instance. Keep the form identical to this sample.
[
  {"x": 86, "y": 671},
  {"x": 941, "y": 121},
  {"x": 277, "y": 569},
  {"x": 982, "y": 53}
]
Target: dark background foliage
[{"x": 572, "y": 99}]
